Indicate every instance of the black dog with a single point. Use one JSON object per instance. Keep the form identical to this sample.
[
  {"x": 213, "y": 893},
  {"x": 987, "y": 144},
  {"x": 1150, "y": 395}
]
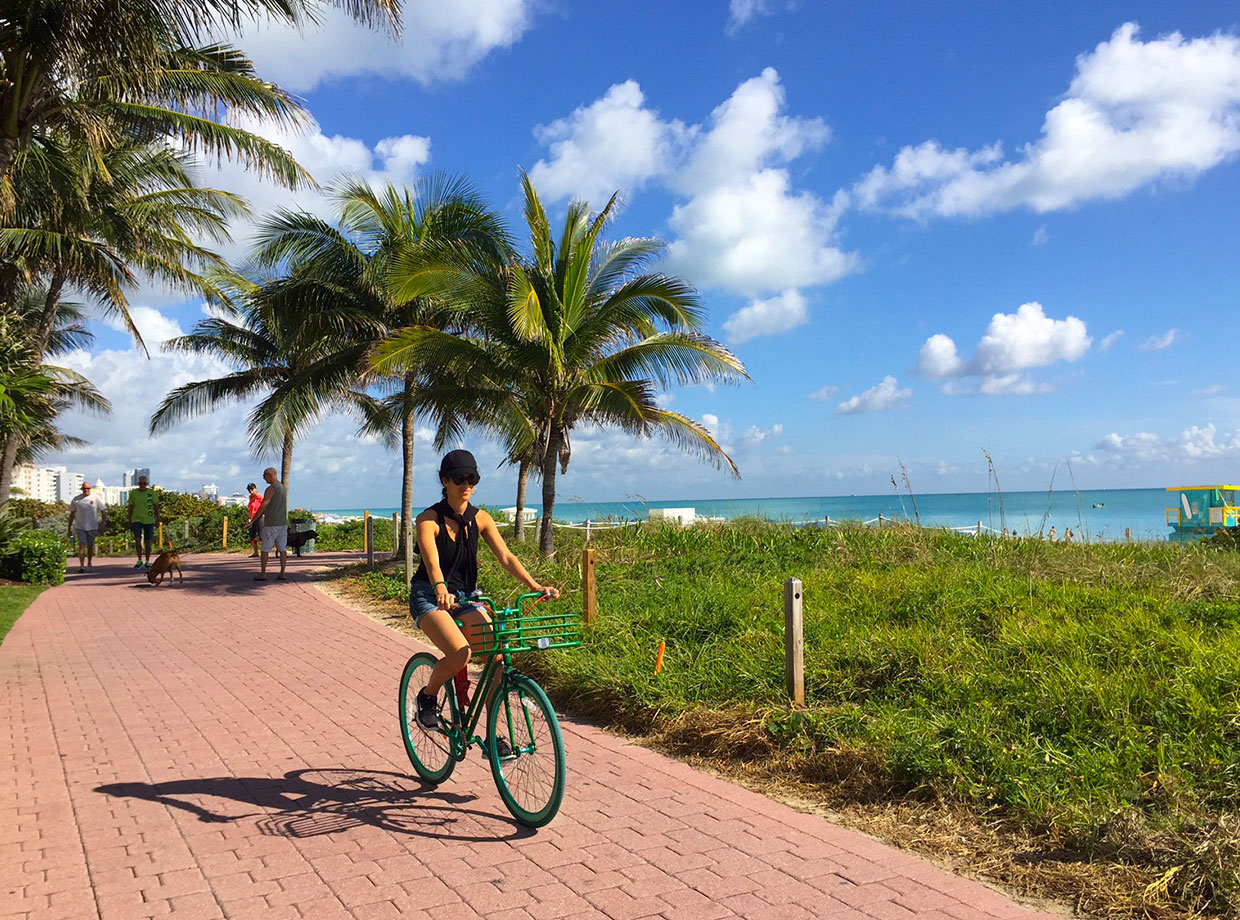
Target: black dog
[{"x": 297, "y": 540}]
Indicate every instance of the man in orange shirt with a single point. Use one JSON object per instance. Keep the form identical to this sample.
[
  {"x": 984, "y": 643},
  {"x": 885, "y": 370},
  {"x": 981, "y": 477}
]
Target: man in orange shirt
[{"x": 256, "y": 524}]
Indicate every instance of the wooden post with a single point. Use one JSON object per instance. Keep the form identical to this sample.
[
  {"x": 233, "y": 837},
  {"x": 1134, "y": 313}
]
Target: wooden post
[
  {"x": 979, "y": 528},
  {"x": 366, "y": 531},
  {"x": 368, "y": 535},
  {"x": 794, "y": 643},
  {"x": 187, "y": 530},
  {"x": 589, "y": 587},
  {"x": 587, "y": 531},
  {"x": 225, "y": 542},
  {"x": 826, "y": 522},
  {"x": 880, "y": 519},
  {"x": 395, "y": 515},
  {"x": 161, "y": 536}
]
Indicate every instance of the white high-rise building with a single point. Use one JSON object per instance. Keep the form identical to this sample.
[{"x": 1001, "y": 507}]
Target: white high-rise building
[
  {"x": 37, "y": 482},
  {"x": 209, "y": 491},
  {"x": 68, "y": 485}
]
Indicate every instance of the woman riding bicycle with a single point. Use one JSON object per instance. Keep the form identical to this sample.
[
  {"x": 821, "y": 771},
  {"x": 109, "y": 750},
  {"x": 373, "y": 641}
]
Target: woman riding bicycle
[{"x": 447, "y": 577}]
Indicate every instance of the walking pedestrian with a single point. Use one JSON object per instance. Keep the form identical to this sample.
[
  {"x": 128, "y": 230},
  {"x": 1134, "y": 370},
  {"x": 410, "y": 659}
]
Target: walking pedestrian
[
  {"x": 274, "y": 511},
  {"x": 256, "y": 523},
  {"x": 143, "y": 516},
  {"x": 87, "y": 511}
]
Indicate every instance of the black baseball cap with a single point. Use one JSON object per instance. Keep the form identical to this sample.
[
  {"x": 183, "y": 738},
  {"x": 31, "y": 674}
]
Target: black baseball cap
[{"x": 458, "y": 463}]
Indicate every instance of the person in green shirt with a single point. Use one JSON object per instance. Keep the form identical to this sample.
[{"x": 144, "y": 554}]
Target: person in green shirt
[
  {"x": 274, "y": 512},
  {"x": 143, "y": 516}
]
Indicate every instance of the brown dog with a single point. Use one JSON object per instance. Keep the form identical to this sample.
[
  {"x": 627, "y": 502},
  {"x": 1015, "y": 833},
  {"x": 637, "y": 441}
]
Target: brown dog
[{"x": 163, "y": 565}]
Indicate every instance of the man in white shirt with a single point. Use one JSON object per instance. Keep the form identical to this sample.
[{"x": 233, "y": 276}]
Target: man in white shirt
[{"x": 87, "y": 512}]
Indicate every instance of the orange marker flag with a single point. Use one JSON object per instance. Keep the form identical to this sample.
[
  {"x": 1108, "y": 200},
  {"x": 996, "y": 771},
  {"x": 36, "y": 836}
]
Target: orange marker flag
[{"x": 658, "y": 662}]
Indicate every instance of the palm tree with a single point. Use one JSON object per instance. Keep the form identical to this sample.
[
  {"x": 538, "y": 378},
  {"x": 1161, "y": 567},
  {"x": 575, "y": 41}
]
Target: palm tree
[
  {"x": 95, "y": 223},
  {"x": 98, "y": 69},
  {"x": 381, "y": 231},
  {"x": 576, "y": 333},
  {"x": 32, "y": 396},
  {"x": 283, "y": 346}
]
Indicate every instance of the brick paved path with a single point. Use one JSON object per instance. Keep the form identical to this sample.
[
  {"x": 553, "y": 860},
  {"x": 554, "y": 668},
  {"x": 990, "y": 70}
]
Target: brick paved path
[{"x": 228, "y": 749}]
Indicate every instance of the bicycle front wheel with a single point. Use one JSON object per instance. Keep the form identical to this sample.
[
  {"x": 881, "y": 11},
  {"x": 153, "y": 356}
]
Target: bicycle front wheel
[
  {"x": 430, "y": 752},
  {"x": 531, "y": 778}
]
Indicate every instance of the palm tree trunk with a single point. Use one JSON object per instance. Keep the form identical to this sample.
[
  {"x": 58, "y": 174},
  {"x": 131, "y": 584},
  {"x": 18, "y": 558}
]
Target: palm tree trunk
[
  {"x": 286, "y": 462},
  {"x": 9, "y": 461},
  {"x": 546, "y": 542},
  {"x": 523, "y": 478},
  {"x": 406, "y": 446},
  {"x": 47, "y": 321}
]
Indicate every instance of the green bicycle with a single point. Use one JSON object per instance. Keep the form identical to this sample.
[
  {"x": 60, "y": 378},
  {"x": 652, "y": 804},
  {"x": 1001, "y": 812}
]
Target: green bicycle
[{"x": 523, "y": 741}]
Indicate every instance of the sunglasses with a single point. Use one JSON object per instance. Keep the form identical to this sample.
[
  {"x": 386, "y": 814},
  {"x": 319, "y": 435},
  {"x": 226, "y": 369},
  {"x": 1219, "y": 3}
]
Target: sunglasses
[{"x": 472, "y": 478}]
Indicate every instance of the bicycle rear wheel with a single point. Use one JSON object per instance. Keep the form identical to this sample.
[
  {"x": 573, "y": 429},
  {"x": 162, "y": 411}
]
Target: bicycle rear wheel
[
  {"x": 430, "y": 752},
  {"x": 530, "y": 781}
]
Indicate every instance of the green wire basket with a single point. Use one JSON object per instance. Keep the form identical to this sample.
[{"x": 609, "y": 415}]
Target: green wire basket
[{"x": 517, "y": 629}]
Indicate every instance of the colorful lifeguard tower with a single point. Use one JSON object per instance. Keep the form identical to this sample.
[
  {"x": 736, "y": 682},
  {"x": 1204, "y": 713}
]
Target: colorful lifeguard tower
[{"x": 1202, "y": 511}]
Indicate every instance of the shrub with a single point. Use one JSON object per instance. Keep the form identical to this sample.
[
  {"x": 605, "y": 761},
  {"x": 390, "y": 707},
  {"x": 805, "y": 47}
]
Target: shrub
[{"x": 37, "y": 557}]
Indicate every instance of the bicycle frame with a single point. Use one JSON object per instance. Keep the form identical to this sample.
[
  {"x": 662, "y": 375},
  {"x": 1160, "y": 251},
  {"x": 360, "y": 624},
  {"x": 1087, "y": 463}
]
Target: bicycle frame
[{"x": 508, "y": 634}]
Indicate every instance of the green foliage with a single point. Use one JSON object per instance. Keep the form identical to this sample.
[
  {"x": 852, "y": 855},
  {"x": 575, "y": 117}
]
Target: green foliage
[
  {"x": 1225, "y": 538},
  {"x": 12, "y": 525},
  {"x": 35, "y": 511},
  {"x": 176, "y": 506},
  {"x": 37, "y": 557},
  {"x": 349, "y": 536}
]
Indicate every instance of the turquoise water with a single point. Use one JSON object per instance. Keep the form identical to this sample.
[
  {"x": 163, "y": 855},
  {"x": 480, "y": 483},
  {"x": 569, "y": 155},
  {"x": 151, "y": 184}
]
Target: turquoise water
[{"x": 1024, "y": 513}]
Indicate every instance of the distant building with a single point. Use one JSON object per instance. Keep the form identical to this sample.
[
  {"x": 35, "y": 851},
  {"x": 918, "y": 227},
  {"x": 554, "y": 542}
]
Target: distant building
[
  {"x": 209, "y": 492},
  {"x": 68, "y": 485},
  {"x": 236, "y": 498},
  {"x": 131, "y": 477},
  {"x": 112, "y": 495},
  {"x": 37, "y": 482}
]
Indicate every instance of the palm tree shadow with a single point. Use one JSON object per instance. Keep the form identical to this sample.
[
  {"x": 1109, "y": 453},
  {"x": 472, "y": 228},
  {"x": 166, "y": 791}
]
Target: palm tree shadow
[{"x": 313, "y": 802}]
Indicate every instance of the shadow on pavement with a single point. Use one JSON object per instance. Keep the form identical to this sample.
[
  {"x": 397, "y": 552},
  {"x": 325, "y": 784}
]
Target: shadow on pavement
[
  {"x": 311, "y": 803},
  {"x": 215, "y": 574}
]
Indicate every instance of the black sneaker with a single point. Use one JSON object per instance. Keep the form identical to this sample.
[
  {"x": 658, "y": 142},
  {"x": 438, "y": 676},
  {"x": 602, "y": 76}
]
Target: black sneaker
[
  {"x": 503, "y": 750},
  {"x": 428, "y": 712}
]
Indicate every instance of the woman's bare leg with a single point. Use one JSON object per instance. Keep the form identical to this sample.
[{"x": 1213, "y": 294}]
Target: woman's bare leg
[{"x": 443, "y": 631}]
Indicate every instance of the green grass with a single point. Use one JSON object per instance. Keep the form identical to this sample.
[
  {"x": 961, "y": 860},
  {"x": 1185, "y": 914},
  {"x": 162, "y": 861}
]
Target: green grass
[
  {"x": 1091, "y": 691},
  {"x": 14, "y": 599}
]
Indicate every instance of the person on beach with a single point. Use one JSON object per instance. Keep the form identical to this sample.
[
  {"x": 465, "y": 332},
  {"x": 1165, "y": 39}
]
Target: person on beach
[
  {"x": 273, "y": 509},
  {"x": 1051, "y": 536},
  {"x": 143, "y": 516},
  {"x": 88, "y": 512},
  {"x": 1067, "y": 535},
  {"x": 447, "y": 580},
  {"x": 256, "y": 523}
]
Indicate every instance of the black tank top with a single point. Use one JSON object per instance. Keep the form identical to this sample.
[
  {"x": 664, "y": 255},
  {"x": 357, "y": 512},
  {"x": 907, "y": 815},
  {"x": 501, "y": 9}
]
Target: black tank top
[{"x": 458, "y": 559}]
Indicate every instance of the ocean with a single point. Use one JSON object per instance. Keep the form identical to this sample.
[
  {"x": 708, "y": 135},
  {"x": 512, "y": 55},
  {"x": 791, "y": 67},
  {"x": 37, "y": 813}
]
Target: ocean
[{"x": 1094, "y": 515}]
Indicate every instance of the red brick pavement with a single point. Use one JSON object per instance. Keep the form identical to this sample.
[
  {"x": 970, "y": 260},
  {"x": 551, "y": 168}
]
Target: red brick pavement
[{"x": 230, "y": 749}]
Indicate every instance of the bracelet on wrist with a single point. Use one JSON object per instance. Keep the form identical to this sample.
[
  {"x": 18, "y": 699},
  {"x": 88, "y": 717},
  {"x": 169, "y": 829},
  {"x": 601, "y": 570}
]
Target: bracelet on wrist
[{"x": 438, "y": 583}]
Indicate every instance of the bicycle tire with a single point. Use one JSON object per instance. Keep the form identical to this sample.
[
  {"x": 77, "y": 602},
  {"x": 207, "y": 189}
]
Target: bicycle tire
[
  {"x": 429, "y": 752},
  {"x": 531, "y": 782}
]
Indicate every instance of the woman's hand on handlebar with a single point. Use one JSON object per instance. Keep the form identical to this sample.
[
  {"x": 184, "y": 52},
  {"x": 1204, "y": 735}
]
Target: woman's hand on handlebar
[
  {"x": 547, "y": 590},
  {"x": 443, "y": 597}
]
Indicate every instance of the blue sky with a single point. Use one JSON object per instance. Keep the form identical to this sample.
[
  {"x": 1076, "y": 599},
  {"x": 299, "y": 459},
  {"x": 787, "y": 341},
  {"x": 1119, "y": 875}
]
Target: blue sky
[{"x": 927, "y": 229}]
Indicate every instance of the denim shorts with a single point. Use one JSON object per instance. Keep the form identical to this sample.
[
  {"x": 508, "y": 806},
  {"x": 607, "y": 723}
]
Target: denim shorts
[
  {"x": 422, "y": 601},
  {"x": 141, "y": 530}
]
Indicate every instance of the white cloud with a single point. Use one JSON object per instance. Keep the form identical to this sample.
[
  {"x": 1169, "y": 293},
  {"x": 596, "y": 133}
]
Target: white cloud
[
  {"x": 741, "y": 12},
  {"x": 755, "y": 435},
  {"x": 824, "y": 394},
  {"x": 767, "y": 317},
  {"x": 1160, "y": 342},
  {"x": 615, "y": 143},
  {"x": 327, "y": 158},
  {"x": 1215, "y": 389},
  {"x": 1135, "y": 113},
  {"x": 1192, "y": 444},
  {"x": 441, "y": 41},
  {"x": 1012, "y": 344},
  {"x": 739, "y": 223},
  {"x": 153, "y": 326},
  {"x": 1106, "y": 343},
  {"x": 886, "y": 395},
  {"x": 1040, "y": 236},
  {"x": 710, "y": 421}
]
